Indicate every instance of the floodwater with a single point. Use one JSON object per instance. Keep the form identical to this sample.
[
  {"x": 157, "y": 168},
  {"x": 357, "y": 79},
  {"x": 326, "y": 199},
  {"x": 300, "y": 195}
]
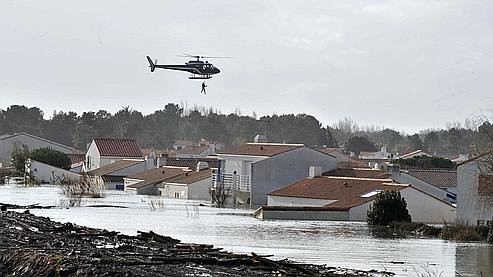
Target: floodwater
[{"x": 344, "y": 244}]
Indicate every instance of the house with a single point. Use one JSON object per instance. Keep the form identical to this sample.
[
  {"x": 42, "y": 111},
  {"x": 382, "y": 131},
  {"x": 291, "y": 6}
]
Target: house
[
  {"x": 196, "y": 151},
  {"x": 191, "y": 163},
  {"x": 416, "y": 153},
  {"x": 379, "y": 155},
  {"x": 9, "y": 142},
  {"x": 342, "y": 160},
  {"x": 104, "y": 151},
  {"x": 146, "y": 182},
  {"x": 348, "y": 198},
  {"x": 193, "y": 185},
  {"x": 475, "y": 190},
  {"x": 48, "y": 174},
  {"x": 180, "y": 144},
  {"x": 441, "y": 183},
  {"x": 112, "y": 174},
  {"x": 262, "y": 167}
]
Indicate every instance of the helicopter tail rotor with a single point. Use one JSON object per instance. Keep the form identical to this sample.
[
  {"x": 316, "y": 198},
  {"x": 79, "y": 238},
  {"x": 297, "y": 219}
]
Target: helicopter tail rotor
[{"x": 151, "y": 64}]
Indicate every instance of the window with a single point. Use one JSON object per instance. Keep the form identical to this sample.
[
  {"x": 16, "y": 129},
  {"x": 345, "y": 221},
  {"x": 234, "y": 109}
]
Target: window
[
  {"x": 481, "y": 222},
  {"x": 485, "y": 185},
  {"x": 370, "y": 194},
  {"x": 177, "y": 195},
  {"x": 88, "y": 162}
]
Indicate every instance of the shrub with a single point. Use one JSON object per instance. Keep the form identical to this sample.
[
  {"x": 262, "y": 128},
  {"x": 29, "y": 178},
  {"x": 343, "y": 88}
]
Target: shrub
[
  {"x": 388, "y": 207},
  {"x": 461, "y": 232},
  {"x": 52, "y": 157},
  {"x": 85, "y": 187}
]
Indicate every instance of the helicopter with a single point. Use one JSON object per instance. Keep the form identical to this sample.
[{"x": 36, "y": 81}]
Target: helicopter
[{"x": 199, "y": 69}]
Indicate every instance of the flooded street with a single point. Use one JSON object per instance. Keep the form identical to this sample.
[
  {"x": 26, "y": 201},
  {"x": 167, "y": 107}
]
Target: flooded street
[{"x": 345, "y": 244}]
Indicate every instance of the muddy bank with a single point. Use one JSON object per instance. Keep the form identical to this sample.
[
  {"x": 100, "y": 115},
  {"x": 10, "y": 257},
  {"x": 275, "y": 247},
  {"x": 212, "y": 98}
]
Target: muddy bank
[{"x": 37, "y": 246}]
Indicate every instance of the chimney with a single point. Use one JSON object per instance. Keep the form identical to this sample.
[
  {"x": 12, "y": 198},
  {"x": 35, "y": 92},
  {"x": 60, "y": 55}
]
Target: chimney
[
  {"x": 150, "y": 161},
  {"x": 260, "y": 139},
  {"x": 202, "y": 166},
  {"x": 314, "y": 171}
]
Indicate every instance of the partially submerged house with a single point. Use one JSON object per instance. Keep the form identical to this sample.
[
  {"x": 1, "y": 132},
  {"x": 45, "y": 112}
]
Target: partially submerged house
[
  {"x": 9, "y": 142},
  {"x": 441, "y": 183},
  {"x": 262, "y": 167},
  {"x": 112, "y": 174},
  {"x": 348, "y": 198},
  {"x": 48, "y": 174},
  {"x": 146, "y": 182},
  {"x": 475, "y": 190},
  {"x": 192, "y": 185},
  {"x": 104, "y": 151}
]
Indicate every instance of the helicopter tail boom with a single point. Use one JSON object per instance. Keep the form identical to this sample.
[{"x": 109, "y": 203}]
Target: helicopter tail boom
[{"x": 151, "y": 64}]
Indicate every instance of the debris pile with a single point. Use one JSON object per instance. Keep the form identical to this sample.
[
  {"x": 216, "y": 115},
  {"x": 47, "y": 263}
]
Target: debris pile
[{"x": 36, "y": 246}]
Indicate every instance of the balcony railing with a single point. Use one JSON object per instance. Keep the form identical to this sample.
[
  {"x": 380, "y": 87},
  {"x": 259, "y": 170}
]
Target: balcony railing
[{"x": 243, "y": 182}]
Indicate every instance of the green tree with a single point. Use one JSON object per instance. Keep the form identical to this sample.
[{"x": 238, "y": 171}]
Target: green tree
[
  {"x": 357, "y": 144},
  {"x": 426, "y": 162},
  {"x": 52, "y": 157},
  {"x": 388, "y": 207}
]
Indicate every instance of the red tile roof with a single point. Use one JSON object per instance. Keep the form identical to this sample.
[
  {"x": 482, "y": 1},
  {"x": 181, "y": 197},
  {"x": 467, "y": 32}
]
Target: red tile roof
[
  {"x": 191, "y": 162},
  {"x": 345, "y": 190},
  {"x": 118, "y": 147},
  {"x": 190, "y": 177},
  {"x": 488, "y": 153},
  {"x": 110, "y": 168},
  {"x": 440, "y": 178},
  {"x": 77, "y": 158},
  {"x": 192, "y": 150},
  {"x": 261, "y": 149}
]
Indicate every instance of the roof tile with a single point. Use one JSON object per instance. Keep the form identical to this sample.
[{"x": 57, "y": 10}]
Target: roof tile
[{"x": 118, "y": 147}]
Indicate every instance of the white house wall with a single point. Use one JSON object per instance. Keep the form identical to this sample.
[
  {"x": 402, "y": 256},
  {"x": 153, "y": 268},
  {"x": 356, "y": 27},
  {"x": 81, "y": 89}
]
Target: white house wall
[
  {"x": 284, "y": 169},
  {"x": 46, "y": 173},
  {"x": 422, "y": 208},
  {"x": 200, "y": 190},
  {"x": 133, "y": 169},
  {"x": 405, "y": 178},
  {"x": 170, "y": 190},
  {"x": 359, "y": 213},
  {"x": 274, "y": 200},
  {"x": 470, "y": 206},
  {"x": 238, "y": 163},
  {"x": 305, "y": 215},
  {"x": 92, "y": 157},
  {"x": 8, "y": 144},
  {"x": 425, "y": 208}
]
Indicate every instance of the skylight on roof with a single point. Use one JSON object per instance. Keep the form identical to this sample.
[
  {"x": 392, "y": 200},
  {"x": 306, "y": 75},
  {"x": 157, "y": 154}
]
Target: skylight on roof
[{"x": 370, "y": 194}]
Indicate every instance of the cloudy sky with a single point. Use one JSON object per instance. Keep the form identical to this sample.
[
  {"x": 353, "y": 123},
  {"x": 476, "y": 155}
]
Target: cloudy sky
[{"x": 408, "y": 65}]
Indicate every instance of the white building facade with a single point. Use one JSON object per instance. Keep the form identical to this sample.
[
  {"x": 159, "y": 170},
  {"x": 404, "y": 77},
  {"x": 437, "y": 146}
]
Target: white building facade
[{"x": 475, "y": 191}]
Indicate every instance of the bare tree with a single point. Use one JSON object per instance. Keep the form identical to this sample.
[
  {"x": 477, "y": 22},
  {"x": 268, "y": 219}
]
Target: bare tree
[{"x": 220, "y": 194}]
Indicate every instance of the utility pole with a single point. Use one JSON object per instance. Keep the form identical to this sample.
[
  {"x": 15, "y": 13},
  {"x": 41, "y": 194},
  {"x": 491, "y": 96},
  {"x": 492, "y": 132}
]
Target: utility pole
[{"x": 234, "y": 184}]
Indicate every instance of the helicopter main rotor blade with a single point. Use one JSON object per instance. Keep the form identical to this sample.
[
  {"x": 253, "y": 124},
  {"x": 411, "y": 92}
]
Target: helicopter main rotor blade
[{"x": 205, "y": 57}]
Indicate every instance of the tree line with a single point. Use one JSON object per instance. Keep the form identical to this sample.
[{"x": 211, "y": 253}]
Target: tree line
[{"x": 175, "y": 122}]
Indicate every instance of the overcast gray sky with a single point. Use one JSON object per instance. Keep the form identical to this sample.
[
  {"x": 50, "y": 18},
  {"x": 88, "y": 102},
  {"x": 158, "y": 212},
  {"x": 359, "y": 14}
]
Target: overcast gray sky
[{"x": 408, "y": 65}]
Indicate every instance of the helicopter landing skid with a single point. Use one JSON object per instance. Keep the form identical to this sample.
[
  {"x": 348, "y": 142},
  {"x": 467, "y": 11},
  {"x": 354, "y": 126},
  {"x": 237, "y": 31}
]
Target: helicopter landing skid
[{"x": 200, "y": 77}]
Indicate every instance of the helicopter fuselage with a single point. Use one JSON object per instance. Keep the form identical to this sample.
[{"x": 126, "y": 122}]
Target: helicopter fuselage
[{"x": 198, "y": 69}]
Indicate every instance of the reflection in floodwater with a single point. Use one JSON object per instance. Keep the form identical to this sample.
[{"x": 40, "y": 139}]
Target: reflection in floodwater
[
  {"x": 344, "y": 244},
  {"x": 472, "y": 259}
]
